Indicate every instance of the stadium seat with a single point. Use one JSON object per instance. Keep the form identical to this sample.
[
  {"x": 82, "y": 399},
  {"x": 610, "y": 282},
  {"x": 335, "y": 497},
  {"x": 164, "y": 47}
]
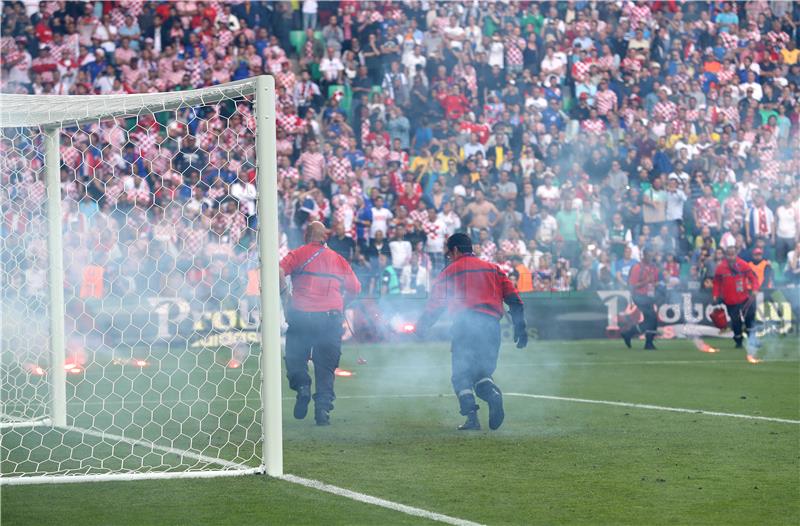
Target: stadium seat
[
  {"x": 314, "y": 70},
  {"x": 334, "y": 88},
  {"x": 298, "y": 40}
]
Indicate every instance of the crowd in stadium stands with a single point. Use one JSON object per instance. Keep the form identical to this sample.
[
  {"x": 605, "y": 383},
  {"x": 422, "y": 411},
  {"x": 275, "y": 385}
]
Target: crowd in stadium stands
[{"x": 563, "y": 137}]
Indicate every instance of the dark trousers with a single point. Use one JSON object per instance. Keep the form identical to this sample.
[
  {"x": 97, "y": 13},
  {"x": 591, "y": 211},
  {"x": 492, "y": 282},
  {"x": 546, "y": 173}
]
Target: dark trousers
[
  {"x": 475, "y": 346},
  {"x": 647, "y": 305},
  {"x": 742, "y": 314},
  {"x": 317, "y": 335}
]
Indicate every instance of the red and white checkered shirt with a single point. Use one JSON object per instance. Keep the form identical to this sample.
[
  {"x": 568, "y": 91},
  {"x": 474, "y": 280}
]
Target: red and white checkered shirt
[
  {"x": 667, "y": 111},
  {"x": 514, "y": 47},
  {"x": 513, "y": 248},
  {"x": 605, "y": 100},
  {"x": 680, "y": 127},
  {"x": 284, "y": 147},
  {"x": 581, "y": 68},
  {"x": 312, "y": 165},
  {"x": 778, "y": 38},
  {"x": 237, "y": 224},
  {"x": 164, "y": 231},
  {"x": 707, "y": 212},
  {"x": 286, "y": 79},
  {"x": 734, "y": 208},
  {"x": 290, "y": 123},
  {"x": 339, "y": 169},
  {"x": 217, "y": 193},
  {"x": 639, "y": 14},
  {"x": 606, "y": 62},
  {"x": 418, "y": 215},
  {"x": 194, "y": 240},
  {"x": 729, "y": 40},
  {"x": 288, "y": 173},
  {"x": 380, "y": 155},
  {"x": 35, "y": 193},
  {"x": 7, "y": 44},
  {"x": 225, "y": 37},
  {"x": 593, "y": 126},
  {"x": 693, "y": 115},
  {"x": 57, "y": 50},
  {"x": 631, "y": 65},
  {"x": 70, "y": 155},
  {"x": 770, "y": 169},
  {"x": 114, "y": 188},
  {"x": 726, "y": 75},
  {"x": 728, "y": 115},
  {"x": 488, "y": 251}
]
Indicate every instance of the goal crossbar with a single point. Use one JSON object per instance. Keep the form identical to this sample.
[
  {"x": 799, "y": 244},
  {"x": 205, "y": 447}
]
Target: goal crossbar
[{"x": 47, "y": 111}]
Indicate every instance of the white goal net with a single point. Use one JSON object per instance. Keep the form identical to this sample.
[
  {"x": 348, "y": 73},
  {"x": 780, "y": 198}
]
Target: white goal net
[{"x": 136, "y": 232}]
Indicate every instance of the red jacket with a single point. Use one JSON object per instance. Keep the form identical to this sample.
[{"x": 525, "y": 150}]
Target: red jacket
[
  {"x": 643, "y": 279},
  {"x": 469, "y": 283},
  {"x": 321, "y": 284},
  {"x": 734, "y": 285}
]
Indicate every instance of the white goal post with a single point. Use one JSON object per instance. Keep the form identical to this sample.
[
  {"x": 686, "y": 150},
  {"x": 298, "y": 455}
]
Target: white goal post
[{"x": 149, "y": 397}]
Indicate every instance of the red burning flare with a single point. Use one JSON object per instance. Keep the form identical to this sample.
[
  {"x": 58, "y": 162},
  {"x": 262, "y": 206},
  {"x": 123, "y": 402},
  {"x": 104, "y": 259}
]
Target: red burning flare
[
  {"x": 704, "y": 347},
  {"x": 342, "y": 372},
  {"x": 752, "y": 359},
  {"x": 233, "y": 364},
  {"x": 408, "y": 328},
  {"x": 34, "y": 369}
]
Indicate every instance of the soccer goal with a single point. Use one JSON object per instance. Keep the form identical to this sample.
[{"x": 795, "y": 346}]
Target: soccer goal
[{"x": 137, "y": 340}]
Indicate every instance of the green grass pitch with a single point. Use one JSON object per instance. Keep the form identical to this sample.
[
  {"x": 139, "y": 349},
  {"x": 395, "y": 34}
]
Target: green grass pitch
[{"x": 552, "y": 462}]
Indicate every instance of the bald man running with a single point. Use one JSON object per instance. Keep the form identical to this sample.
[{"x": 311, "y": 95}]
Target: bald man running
[{"x": 322, "y": 282}]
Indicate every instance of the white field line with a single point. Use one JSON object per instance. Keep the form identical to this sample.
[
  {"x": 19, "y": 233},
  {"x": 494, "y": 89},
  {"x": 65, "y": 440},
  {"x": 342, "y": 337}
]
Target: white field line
[
  {"x": 447, "y": 395},
  {"x": 375, "y": 501},
  {"x": 570, "y": 364},
  {"x": 655, "y": 407},
  {"x": 152, "y": 445},
  {"x": 233, "y": 470}
]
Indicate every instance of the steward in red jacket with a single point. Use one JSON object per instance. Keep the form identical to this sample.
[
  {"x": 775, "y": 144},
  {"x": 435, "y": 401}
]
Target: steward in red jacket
[
  {"x": 473, "y": 291},
  {"x": 643, "y": 279},
  {"x": 735, "y": 285},
  {"x": 321, "y": 281}
]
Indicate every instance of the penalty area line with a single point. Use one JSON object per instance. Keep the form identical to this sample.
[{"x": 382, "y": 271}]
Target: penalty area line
[
  {"x": 376, "y": 501},
  {"x": 655, "y": 407}
]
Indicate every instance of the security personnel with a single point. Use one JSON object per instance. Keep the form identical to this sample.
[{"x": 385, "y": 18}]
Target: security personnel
[
  {"x": 762, "y": 269},
  {"x": 474, "y": 291},
  {"x": 735, "y": 285},
  {"x": 321, "y": 279},
  {"x": 642, "y": 280}
]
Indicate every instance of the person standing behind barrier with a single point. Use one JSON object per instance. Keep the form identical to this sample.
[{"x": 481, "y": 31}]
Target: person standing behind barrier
[
  {"x": 643, "y": 279},
  {"x": 474, "y": 291},
  {"x": 322, "y": 281}
]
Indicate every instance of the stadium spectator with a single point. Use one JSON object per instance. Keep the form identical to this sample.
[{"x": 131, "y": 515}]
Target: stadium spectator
[{"x": 574, "y": 125}]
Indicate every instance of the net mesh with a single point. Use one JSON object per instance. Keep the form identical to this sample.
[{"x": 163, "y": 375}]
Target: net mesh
[{"x": 161, "y": 293}]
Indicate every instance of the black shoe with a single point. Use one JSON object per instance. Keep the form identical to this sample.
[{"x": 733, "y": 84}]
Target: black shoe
[
  {"x": 496, "y": 413},
  {"x": 301, "y": 404},
  {"x": 739, "y": 344},
  {"x": 649, "y": 347},
  {"x": 472, "y": 423},
  {"x": 322, "y": 417},
  {"x": 626, "y": 337}
]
